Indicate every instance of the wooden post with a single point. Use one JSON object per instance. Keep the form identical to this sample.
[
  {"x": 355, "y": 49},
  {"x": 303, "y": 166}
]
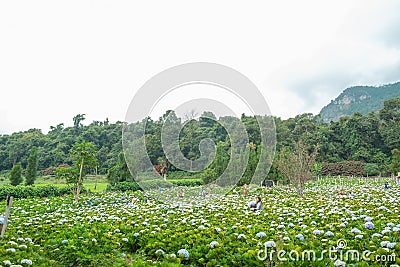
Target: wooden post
[{"x": 9, "y": 202}]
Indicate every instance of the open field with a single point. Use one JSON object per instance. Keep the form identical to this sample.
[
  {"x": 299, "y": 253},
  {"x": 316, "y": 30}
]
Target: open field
[{"x": 359, "y": 227}]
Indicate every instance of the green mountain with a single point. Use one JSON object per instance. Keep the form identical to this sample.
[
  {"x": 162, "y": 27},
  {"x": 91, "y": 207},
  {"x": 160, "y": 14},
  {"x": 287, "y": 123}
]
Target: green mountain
[{"x": 362, "y": 99}]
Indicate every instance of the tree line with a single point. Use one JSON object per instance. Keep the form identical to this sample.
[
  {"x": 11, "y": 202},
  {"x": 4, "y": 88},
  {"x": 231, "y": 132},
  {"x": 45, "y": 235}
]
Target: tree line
[{"x": 372, "y": 139}]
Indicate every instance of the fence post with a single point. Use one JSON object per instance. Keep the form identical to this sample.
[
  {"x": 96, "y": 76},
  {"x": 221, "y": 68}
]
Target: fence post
[{"x": 9, "y": 203}]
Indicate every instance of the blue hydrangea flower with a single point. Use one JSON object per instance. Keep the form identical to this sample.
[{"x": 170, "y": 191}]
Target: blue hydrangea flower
[
  {"x": 317, "y": 232},
  {"x": 300, "y": 237},
  {"x": 261, "y": 234},
  {"x": 369, "y": 225},
  {"x": 183, "y": 252},
  {"x": 329, "y": 234}
]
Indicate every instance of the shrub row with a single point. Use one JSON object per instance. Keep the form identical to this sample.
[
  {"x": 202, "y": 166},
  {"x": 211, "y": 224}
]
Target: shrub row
[
  {"x": 21, "y": 191},
  {"x": 149, "y": 184},
  {"x": 350, "y": 168}
]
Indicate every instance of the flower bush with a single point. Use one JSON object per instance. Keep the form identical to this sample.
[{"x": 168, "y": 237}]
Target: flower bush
[{"x": 109, "y": 229}]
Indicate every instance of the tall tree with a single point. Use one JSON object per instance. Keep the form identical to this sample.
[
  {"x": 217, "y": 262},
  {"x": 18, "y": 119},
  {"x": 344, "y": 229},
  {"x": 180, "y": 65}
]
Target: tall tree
[
  {"x": 16, "y": 174},
  {"x": 297, "y": 164},
  {"x": 85, "y": 156},
  {"x": 395, "y": 164},
  {"x": 78, "y": 119},
  {"x": 31, "y": 169},
  {"x": 120, "y": 172}
]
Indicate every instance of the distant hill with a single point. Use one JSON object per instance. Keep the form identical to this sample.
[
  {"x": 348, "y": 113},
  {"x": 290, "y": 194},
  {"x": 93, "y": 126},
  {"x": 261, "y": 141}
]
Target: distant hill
[{"x": 362, "y": 99}]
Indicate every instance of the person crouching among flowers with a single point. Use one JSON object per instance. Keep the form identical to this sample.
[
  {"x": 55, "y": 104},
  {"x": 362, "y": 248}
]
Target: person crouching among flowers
[{"x": 257, "y": 204}]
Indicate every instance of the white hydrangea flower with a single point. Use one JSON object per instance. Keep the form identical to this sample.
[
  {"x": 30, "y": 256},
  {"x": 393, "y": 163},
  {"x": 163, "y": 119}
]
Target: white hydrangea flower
[
  {"x": 213, "y": 244},
  {"x": 270, "y": 244},
  {"x": 384, "y": 243},
  {"x": 160, "y": 252},
  {"x": 26, "y": 261},
  {"x": 241, "y": 236},
  {"x": 339, "y": 263}
]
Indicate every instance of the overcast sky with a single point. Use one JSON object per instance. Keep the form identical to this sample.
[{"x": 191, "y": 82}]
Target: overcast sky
[{"x": 61, "y": 58}]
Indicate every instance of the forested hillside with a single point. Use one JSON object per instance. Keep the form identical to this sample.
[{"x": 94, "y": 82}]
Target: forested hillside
[
  {"x": 361, "y": 99},
  {"x": 367, "y": 138}
]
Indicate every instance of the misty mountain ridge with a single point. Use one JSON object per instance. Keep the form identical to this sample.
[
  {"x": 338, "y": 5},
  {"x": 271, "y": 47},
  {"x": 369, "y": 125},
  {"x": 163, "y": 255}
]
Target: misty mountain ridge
[{"x": 361, "y": 99}]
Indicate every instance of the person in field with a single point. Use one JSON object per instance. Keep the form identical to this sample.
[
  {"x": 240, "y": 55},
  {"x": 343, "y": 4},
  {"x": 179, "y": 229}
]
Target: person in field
[
  {"x": 257, "y": 204},
  {"x": 386, "y": 185},
  {"x": 181, "y": 193},
  {"x": 244, "y": 190}
]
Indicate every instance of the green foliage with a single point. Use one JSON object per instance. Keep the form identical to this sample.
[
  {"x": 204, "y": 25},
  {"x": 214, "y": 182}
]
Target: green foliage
[
  {"x": 31, "y": 169},
  {"x": 123, "y": 186},
  {"x": 395, "y": 163},
  {"x": 119, "y": 172},
  {"x": 68, "y": 174},
  {"x": 153, "y": 184},
  {"x": 186, "y": 182},
  {"x": 361, "y": 99},
  {"x": 348, "y": 168},
  {"x": 371, "y": 169},
  {"x": 16, "y": 174},
  {"x": 366, "y": 138},
  {"x": 131, "y": 229},
  {"x": 219, "y": 164},
  {"x": 21, "y": 191}
]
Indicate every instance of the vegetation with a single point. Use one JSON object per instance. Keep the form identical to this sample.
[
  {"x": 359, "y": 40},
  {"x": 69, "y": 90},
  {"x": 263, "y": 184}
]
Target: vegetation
[
  {"x": 128, "y": 229},
  {"x": 359, "y": 99},
  {"x": 395, "y": 165},
  {"x": 21, "y": 191},
  {"x": 31, "y": 169},
  {"x": 16, "y": 175},
  {"x": 364, "y": 140},
  {"x": 297, "y": 165}
]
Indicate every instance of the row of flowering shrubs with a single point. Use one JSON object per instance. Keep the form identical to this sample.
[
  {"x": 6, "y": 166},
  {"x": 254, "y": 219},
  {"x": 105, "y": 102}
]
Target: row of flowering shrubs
[
  {"x": 21, "y": 191},
  {"x": 133, "y": 186},
  {"x": 350, "y": 168}
]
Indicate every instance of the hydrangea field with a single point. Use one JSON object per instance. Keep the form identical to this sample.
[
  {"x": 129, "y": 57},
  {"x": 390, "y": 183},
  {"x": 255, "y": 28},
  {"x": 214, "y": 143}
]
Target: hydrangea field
[{"x": 125, "y": 229}]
